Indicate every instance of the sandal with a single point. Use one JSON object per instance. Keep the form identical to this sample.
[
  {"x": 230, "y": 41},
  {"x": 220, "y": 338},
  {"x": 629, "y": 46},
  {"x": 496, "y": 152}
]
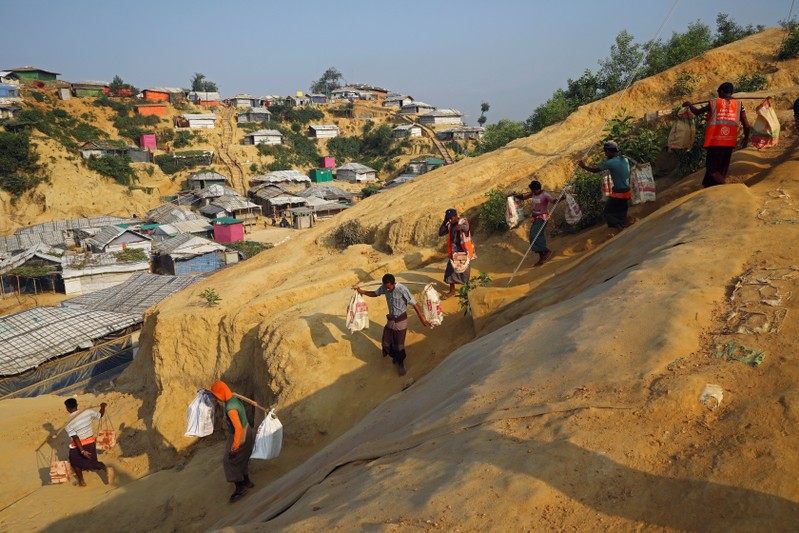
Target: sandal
[{"x": 237, "y": 495}]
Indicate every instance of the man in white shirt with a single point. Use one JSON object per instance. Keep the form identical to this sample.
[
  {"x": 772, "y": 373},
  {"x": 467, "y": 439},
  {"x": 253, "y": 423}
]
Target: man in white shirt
[{"x": 83, "y": 448}]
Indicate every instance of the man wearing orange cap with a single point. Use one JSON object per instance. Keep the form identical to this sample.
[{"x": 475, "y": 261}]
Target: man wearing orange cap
[{"x": 240, "y": 441}]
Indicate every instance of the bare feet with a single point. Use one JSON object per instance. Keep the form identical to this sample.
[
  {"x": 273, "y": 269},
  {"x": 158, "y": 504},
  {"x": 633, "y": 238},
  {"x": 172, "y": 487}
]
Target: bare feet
[
  {"x": 111, "y": 473},
  {"x": 448, "y": 295}
]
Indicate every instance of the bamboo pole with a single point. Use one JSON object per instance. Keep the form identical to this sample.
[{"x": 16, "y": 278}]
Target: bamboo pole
[
  {"x": 398, "y": 281},
  {"x": 741, "y": 98},
  {"x": 245, "y": 399}
]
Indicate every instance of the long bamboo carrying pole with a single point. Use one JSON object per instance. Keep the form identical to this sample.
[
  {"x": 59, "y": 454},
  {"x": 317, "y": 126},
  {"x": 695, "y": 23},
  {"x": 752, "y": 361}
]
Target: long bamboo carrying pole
[
  {"x": 245, "y": 399},
  {"x": 741, "y": 98}
]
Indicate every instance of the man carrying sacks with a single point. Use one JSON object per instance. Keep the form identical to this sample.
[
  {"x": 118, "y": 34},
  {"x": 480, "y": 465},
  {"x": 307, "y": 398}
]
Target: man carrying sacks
[{"x": 721, "y": 133}]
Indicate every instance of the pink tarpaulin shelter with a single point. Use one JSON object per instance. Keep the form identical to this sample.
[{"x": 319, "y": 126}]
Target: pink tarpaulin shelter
[{"x": 228, "y": 229}]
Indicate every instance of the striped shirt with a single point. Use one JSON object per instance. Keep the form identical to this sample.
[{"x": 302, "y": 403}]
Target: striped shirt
[
  {"x": 398, "y": 299},
  {"x": 80, "y": 425}
]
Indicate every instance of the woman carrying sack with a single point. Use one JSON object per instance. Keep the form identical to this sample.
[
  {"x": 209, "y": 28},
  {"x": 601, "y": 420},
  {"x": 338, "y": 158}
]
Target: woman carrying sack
[
  {"x": 540, "y": 202},
  {"x": 240, "y": 441},
  {"x": 460, "y": 250}
]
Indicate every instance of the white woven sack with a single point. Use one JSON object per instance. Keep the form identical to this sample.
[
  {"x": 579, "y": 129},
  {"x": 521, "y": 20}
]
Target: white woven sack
[
  {"x": 269, "y": 438},
  {"x": 200, "y": 416},
  {"x": 573, "y": 212},
  {"x": 642, "y": 184},
  {"x": 357, "y": 313},
  {"x": 431, "y": 306},
  {"x": 514, "y": 214}
]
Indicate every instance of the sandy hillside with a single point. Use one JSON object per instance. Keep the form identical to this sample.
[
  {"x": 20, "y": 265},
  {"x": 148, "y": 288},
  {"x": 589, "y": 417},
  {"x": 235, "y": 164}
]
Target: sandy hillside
[{"x": 570, "y": 402}]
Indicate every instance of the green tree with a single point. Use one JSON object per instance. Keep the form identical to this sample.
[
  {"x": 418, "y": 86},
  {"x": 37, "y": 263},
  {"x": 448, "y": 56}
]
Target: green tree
[
  {"x": 790, "y": 46},
  {"x": 118, "y": 86},
  {"x": 618, "y": 69},
  {"x": 200, "y": 83},
  {"x": 684, "y": 46},
  {"x": 499, "y": 134},
  {"x": 484, "y": 107},
  {"x": 552, "y": 111},
  {"x": 728, "y": 31},
  {"x": 19, "y": 164},
  {"x": 330, "y": 81}
]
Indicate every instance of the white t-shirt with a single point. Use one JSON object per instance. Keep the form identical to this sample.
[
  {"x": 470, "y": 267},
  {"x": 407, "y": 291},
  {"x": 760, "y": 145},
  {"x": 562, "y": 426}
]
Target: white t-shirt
[{"x": 80, "y": 424}]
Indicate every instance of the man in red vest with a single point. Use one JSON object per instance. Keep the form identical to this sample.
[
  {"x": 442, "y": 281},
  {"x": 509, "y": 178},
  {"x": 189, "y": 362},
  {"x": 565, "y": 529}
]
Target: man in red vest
[{"x": 721, "y": 133}]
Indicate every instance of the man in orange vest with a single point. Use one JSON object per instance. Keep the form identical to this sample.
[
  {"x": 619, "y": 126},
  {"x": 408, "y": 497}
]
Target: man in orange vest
[{"x": 721, "y": 133}]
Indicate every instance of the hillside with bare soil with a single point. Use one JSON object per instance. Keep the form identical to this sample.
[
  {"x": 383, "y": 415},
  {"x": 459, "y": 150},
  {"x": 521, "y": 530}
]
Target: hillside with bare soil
[{"x": 570, "y": 401}]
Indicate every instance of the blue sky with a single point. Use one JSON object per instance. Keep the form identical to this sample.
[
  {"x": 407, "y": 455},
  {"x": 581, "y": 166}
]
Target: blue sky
[{"x": 512, "y": 54}]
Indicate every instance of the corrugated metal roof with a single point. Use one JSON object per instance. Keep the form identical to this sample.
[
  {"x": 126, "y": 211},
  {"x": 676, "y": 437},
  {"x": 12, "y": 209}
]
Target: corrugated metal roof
[
  {"x": 76, "y": 223},
  {"x": 109, "y": 233},
  {"x": 357, "y": 167},
  {"x": 199, "y": 225},
  {"x": 169, "y": 213},
  {"x": 443, "y": 113},
  {"x": 15, "y": 243},
  {"x": 281, "y": 176},
  {"x": 206, "y": 96},
  {"x": 230, "y": 203},
  {"x": 39, "y": 250},
  {"x": 325, "y": 192},
  {"x": 29, "y": 68},
  {"x": 168, "y": 90},
  {"x": 31, "y": 337},
  {"x": 322, "y": 127},
  {"x": 199, "y": 116},
  {"x": 418, "y": 104},
  {"x": 243, "y": 96},
  {"x": 211, "y": 210},
  {"x": 286, "y": 199},
  {"x": 134, "y": 296},
  {"x": 188, "y": 245},
  {"x": 267, "y": 133},
  {"x": 90, "y": 83},
  {"x": 207, "y": 175}
]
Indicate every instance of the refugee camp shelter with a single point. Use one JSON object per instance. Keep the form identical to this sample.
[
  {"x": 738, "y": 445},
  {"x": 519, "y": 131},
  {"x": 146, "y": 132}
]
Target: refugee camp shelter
[
  {"x": 329, "y": 193},
  {"x": 255, "y": 114},
  {"x": 263, "y": 137},
  {"x": 317, "y": 98},
  {"x": 243, "y": 100},
  {"x": 188, "y": 254},
  {"x": 169, "y": 213},
  {"x": 356, "y": 173},
  {"x": 282, "y": 178},
  {"x": 90, "y": 89},
  {"x": 237, "y": 207},
  {"x": 438, "y": 117},
  {"x": 164, "y": 94},
  {"x": 206, "y": 99},
  {"x": 31, "y": 338},
  {"x": 227, "y": 229},
  {"x": 202, "y": 180},
  {"x": 88, "y": 272},
  {"x": 460, "y": 133},
  {"x": 104, "y": 148},
  {"x": 275, "y": 200},
  {"x": 397, "y": 100},
  {"x": 327, "y": 161},
  {"x": 196, "y": 121},
  {"x": 158, "y": 110},
  {"x": 8, "y": 111},
  {"x": 324, "y": 208},
  {"x": 9, "y": 91},
  {"x": 323, "y": 131},
  {"x": 33, "y": 73},
  {"x": 416, "y": 108},
  {"x": 133, "y": 296},
  {"x": 31, "y": 271},
  {"x": 297, "y": 101},
  {"x": 117, "y": 239},
  {"x": 407, "y": 130},
  {"x": 200, "y": 227},
  {"x": 422, "y": 164}
]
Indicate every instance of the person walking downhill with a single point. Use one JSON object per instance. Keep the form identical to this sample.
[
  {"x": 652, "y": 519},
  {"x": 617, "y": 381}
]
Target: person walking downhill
[
  {"x": 240, "y": 441},
  {"x": 398, "y": 298},
  {"x": 459, "y": 241},
  {"x": 540, "y": 202},
  {"x": 615, "y": 212},
  {"x": 721, "y": 133},
  {"x": 83, "y": 448}
]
